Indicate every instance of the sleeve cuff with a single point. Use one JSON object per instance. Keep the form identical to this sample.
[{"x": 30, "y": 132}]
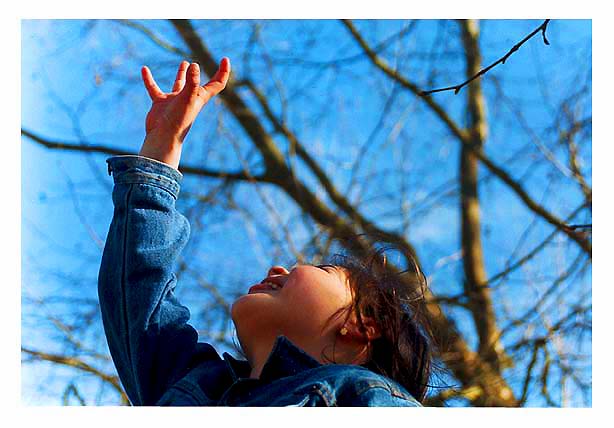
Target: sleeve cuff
[{"x": 135, "y": 169}]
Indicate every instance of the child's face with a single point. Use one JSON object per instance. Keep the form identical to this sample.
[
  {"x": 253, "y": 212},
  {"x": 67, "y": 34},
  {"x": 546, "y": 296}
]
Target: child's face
[{"x": 300, "y": 309}]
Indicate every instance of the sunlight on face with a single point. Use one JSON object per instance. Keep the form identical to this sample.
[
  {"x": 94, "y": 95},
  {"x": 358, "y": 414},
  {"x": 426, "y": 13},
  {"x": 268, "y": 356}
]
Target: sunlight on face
[{"x": 308, "y": 296}]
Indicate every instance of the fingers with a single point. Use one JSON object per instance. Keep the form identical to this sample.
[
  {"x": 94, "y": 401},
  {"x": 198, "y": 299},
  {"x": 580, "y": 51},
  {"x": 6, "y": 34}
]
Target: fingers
[
  {"x": 219, "y": 79},
  {"x": 150, "y": 84},
  {"x": 204, "y": 93},
  {"x": 193, "y": 76},
  {"x": 180, "y": 78}
]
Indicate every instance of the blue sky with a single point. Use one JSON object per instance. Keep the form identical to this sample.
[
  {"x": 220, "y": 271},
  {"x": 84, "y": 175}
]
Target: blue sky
[{"x": 62, "y": 233}]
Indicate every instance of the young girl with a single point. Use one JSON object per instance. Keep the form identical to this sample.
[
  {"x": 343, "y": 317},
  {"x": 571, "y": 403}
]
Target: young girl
[{"x": 346, "y": 334}]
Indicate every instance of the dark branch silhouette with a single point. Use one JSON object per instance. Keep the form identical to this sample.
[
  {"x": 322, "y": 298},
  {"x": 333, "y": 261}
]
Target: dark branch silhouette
[
  {"x": 457, "y": 88},
  {"x": 97, "y": 148}
]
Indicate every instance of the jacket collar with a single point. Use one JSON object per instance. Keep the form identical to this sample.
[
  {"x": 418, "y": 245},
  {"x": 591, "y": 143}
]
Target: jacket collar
[{"x": 285, "y": 359}]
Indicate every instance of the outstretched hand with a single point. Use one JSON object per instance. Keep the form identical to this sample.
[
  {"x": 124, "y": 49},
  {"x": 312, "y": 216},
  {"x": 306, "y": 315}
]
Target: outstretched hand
[{"x": 172, "y": 114}]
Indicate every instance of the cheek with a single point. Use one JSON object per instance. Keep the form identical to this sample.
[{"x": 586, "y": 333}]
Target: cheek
[{"x": 309, "y": 301}]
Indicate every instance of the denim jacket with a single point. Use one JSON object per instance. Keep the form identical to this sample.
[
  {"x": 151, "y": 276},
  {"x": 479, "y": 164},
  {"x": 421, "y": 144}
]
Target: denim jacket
[{"x": 156, "y": 351}]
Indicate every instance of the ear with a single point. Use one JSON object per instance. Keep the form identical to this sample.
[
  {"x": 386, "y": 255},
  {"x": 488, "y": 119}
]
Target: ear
[{"x": 371, "y": 330}]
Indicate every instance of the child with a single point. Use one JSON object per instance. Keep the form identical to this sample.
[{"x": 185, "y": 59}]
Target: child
[{"x": 327, "y": 335}]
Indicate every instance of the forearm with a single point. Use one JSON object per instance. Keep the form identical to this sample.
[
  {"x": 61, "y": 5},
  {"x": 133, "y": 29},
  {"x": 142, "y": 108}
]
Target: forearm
[{"x": 146, "y": 326}]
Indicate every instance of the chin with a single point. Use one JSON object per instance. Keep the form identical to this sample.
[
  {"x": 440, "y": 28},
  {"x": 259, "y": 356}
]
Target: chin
[
  {"x": 235, "y": 309},
  {"x": 257, "y": 315},
  {"x": 251, "y": 308}
]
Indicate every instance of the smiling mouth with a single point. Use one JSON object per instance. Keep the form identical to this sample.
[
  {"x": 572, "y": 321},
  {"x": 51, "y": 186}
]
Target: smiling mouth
[{"x": 267, "y": 286}]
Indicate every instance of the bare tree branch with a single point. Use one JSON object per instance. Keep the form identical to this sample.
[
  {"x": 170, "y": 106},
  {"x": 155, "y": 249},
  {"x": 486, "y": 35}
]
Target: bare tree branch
[
  {"x": 153, "y": 37},
  {"x": 404, "y": 82},
  {"x": 96, "y": 148},
  {"x": 457, "y": 88},
  {"x": 463, "y": 137},
  {"x": 80, "y": 365}
]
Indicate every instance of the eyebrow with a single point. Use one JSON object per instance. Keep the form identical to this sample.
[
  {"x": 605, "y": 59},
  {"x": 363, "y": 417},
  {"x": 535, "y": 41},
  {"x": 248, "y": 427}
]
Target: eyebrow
[{"x": 323, "y": 266}]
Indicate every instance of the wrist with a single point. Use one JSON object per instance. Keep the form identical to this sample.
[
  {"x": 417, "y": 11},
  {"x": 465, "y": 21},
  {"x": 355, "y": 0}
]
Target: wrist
[{"x": 163, "y": 149}]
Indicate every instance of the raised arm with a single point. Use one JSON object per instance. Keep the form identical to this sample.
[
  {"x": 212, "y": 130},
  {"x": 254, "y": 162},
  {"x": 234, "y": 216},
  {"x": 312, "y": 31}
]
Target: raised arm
[{"x": 147, "y": 328}]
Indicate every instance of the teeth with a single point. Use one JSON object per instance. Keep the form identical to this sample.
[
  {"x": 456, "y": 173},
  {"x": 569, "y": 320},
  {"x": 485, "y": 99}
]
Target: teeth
[{"x": 273, "y": 286}]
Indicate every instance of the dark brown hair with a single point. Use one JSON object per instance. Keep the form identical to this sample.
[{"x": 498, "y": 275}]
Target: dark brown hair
[{"x": 395, "y": 301}]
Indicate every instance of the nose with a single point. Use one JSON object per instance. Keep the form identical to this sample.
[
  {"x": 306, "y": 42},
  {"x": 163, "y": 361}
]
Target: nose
[{"x": 277, "y": 270}]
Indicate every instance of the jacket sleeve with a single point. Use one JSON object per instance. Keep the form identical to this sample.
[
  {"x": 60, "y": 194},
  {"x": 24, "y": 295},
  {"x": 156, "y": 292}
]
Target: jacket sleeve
[
  {"x": 147, "y": 328},
  {"x": 368, "y": 389},
  {"x": 379, "y": 396}
]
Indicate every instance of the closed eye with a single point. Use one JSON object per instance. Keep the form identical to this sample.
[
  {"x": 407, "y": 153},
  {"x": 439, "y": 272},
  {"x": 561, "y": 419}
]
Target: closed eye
[{"x": 325, "y": 266}]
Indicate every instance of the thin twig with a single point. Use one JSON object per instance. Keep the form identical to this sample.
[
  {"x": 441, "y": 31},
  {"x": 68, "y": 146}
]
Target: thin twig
[
  {"x": 153, "y": 37},
  {"x": 457, "y": 88}
]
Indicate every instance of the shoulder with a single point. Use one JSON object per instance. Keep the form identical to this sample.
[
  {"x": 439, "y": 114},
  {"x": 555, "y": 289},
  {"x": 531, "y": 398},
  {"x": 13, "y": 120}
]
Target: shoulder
[{"x": 358, "y": 386}]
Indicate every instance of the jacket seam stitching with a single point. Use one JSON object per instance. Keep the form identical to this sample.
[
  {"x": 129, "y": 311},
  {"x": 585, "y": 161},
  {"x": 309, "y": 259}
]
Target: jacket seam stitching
[
  {"x": 124, "y": 293},
  {"x": 391, "y": 391},
  {"x": 368, "y": 387},
  {"x": 326, "y": 395},
  {"x": 138, "y": 159},
  {"x": 145, "y": 174}
]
